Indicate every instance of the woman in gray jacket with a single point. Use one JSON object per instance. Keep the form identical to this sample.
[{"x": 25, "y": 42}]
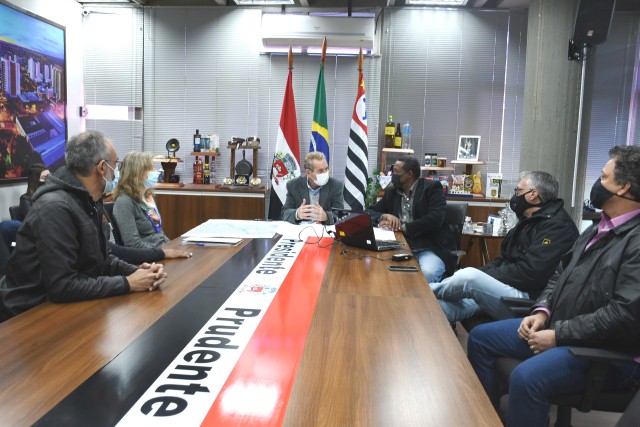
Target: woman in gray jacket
[{"x": 135, "y": 209}]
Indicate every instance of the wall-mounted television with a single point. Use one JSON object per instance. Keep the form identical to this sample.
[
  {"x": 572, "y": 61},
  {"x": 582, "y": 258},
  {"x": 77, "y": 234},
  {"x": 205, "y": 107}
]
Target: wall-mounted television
[{"x": 33, "y": 92}]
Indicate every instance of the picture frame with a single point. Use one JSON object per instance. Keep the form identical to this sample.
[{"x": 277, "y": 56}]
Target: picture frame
[
  {"x": 468, "y": 148},
  {"x": 33, "y": 99}
]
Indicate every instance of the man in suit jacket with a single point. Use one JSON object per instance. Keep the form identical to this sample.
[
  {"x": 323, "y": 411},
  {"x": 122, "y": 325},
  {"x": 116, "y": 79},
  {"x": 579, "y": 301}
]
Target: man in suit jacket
[
  {"x": 417, "y": 207},
  {"x": 311, "y": 197}
]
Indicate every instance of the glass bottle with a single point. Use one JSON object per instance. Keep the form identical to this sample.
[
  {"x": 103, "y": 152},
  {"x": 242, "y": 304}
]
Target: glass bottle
[
  {"x": 389, "y": 132},
  {"x": 397, "y": 140},
  {"x": 197, "y": 141},
  {"x": 206, "y": 179}
]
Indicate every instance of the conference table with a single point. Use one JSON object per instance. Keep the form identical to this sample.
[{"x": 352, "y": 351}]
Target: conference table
[{"x": 378, "y": 350}]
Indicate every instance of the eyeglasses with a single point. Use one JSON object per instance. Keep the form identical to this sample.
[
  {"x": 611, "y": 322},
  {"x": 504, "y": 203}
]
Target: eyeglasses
[
  {"x": 518, "y": 191},
  {"x": 118, "y": 163}
]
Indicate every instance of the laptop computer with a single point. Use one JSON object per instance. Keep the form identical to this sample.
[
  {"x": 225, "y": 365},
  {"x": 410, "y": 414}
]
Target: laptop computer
[{"x": 356, "y": 229}]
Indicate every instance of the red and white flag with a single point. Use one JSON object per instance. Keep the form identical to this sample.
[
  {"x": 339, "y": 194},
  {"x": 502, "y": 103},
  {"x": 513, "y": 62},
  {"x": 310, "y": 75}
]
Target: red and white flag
[
  {"x": 286, "y": 159},
  {"x": 355, "y": 184}
]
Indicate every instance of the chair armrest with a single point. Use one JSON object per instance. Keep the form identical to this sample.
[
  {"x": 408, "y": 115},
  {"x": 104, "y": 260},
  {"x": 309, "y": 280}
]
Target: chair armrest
[
  {"x": 600, "y": 362},
  {"x": 517, "y": 302},
  {"x": 598, "y": 354}
]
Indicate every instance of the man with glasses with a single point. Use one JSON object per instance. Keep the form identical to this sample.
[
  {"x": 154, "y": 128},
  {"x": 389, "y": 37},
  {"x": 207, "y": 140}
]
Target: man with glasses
[
  {"x": 61, "y": 251},
  {"x": 417, "y": 207},
  {"x": 591, "y": 300},
  {"x": 528, "y": 256}
]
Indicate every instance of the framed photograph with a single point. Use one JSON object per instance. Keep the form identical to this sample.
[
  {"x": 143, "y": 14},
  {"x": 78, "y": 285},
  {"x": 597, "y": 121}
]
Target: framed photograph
[
  {"x": 468, "y": 148},
  {"x": 33, "y": 122}
]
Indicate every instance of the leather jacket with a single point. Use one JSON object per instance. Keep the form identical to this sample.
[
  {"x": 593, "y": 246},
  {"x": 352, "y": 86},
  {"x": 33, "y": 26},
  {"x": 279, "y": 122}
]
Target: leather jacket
[{"x": 594, "y": 296}]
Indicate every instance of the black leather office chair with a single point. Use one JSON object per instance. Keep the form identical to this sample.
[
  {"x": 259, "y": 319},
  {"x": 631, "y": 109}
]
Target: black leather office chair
[
  {"x": 15, "y": 214},
  {"x": 108, "y": 210},
  {"x": 454, "y": 218},
  {"x": 593, "y": 398}
]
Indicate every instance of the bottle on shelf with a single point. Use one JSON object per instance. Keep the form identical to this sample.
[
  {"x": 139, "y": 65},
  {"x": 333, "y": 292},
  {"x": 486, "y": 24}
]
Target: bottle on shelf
[
  {"x": 406, "y": 135},
  {"x": 212, "y": 171},
  {"x": 197, "y": 171},
  {"x": 397, "y": 140},
  {"x": 389, "y": 132},
  {"x": 197, "y": 141},
  {"x": 206, "y": 179}
]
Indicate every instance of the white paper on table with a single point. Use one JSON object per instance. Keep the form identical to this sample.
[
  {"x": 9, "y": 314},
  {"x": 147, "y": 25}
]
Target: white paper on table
[{"x": 235, "y": 228}]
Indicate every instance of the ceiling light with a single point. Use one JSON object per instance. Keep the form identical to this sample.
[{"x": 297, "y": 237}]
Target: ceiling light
[
  {"x": 436, "y": 2},
  {"x": 263, "y": 2}
]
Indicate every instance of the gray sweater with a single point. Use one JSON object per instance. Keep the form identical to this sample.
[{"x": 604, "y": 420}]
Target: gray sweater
[{"x": 136, "y": 229}]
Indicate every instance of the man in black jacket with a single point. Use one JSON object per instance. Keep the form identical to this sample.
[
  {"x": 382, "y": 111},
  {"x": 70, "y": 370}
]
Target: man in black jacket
[
  {"x": 529, "y": 254},
  {"x": 592, "y": 300},
  {"x": 61, "y": 251},
  {"x": 417, "y": 207}
]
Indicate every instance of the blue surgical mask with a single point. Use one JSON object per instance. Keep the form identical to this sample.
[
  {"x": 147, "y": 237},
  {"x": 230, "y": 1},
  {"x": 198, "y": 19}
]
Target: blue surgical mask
[
  {"x": 111, "y": 185},
  {"x": 152, "y": 179}
]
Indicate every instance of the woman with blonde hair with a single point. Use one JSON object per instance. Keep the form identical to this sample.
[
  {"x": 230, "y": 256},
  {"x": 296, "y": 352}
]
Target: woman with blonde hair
[{"x": 135, "y": 212}]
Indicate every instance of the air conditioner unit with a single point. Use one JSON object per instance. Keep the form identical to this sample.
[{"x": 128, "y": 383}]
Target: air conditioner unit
[{"x": 302, "y": 31}]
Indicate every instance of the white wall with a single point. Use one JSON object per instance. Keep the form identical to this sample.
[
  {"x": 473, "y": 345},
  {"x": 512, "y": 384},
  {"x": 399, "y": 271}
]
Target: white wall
[{"x": 67, "y": 13}]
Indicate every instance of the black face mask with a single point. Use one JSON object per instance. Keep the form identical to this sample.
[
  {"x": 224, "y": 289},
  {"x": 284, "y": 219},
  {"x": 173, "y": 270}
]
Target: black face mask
[
  {"x": 519, "y": 204},
  {"x": 395, "y": 180},
  {"x": 599, "y": 194}
]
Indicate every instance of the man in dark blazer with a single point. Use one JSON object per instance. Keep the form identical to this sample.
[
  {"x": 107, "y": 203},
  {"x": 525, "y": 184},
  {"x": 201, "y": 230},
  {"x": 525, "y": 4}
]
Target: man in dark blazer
[
  {"x": 311, "y": 197},
  {"x": 417, "y": 207}
]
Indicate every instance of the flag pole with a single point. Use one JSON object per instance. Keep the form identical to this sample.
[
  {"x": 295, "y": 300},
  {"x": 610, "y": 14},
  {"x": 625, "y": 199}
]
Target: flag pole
[
  {"x": 324, "y": 51},
  {"x": 290, "y": 59},
  {"x": 360, "y": 64}
]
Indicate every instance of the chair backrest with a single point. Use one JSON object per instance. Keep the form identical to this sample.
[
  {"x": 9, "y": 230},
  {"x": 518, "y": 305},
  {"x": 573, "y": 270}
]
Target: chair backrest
[
  {"x": 4, "y": 256},
  {"x": 454, "y": 218},
  {"x": 108, "y": 210},
  {"x": 15, "y": 214}
]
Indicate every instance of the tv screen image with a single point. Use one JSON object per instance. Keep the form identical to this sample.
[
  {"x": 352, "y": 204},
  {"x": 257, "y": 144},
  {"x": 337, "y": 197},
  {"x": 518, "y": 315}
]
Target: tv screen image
[{"x": 33, "y": 125}]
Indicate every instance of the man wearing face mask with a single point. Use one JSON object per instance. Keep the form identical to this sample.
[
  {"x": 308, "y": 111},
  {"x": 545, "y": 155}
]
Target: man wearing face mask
[
  {"x": 61, "y": 251},
  {"x": 592, "y": 300},
  {"x": 311, "y": 197},
  {"x": 528, "y": 256},
  {"x": 417, "y": 207}
]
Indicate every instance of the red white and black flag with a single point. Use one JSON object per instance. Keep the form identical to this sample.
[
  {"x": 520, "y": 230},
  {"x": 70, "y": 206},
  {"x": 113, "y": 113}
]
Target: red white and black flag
[
  {"x": 356, "y": 175},
  {"x": 286, "y": 159}
]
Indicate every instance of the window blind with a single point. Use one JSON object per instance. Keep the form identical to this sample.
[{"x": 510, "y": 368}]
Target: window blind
[
  {"x": 113, "y": 71},
  {"x": 615, "y": 64},
  {"x": 457, "y": 72}
]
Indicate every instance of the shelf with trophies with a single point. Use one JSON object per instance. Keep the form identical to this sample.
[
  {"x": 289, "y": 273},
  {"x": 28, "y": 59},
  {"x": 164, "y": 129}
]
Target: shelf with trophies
[{"x": 243, "y": 173}]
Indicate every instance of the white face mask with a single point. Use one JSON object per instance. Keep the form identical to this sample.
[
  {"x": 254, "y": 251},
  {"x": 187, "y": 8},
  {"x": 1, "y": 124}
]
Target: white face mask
[{"x": 322, "y": 179}]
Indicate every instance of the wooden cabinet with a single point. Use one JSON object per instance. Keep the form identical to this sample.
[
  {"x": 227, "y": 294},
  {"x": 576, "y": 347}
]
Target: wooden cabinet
[{"x": 185, "y": 208}]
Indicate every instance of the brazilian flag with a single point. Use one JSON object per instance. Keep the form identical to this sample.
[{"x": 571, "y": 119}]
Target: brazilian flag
[{"x": 319, "y": 129}]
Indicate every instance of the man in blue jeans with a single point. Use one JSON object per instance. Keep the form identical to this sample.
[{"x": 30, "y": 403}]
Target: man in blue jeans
[
  {"x": 528, "y": 256},
  {"x": 593, "y": 300},
  {"x": 417, "y": 207}
]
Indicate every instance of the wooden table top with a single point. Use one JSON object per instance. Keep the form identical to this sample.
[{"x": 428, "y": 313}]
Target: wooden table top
[{"x": 379, "y": 350}]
